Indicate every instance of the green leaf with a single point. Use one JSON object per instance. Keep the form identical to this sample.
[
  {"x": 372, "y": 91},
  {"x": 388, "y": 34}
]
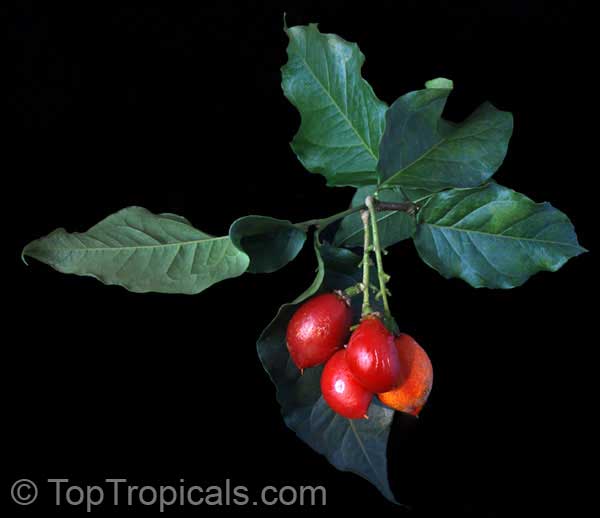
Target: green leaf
[
  {"x": 143, "y": 252},
  {"x": 352, "y": 445},
  {"x": 342, "y": 119},
  {"x": 420, "y": 149},
  {"x": 394, "y": 226},
  {"x": 270, "y": 243},
  {"x": 492, "y": 236},
  {"x": 318, "y": 280},
  {"x": 440, "y": 82}
]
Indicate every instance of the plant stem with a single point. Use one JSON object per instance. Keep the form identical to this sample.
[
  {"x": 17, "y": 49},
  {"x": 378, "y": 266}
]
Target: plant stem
[
  {"x": 354, "y": 290},
  {"x": 383, "y": 278},
  {"x": 323, "y": 222},
  {"x": 366, "y": 306},
  {"x": 404, "y": 206}
]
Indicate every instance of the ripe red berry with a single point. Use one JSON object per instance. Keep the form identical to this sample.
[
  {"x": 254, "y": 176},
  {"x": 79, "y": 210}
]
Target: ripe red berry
[
  {"x": 416, "y": 378},
  {"x": 340, "y": 389},
  {"x": 372, "y": 355},
  {"x": 318, "y": 328}
]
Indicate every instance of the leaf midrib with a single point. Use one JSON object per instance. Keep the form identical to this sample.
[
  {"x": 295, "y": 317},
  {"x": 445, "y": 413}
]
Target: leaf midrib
[
  {"x": 503, "y": 236},
  {"x": 363, "y": 449},
  {"x": 443, "y": 140},
  {"x": 365, "y": 145},
  {"x": 112, "y": 249}
]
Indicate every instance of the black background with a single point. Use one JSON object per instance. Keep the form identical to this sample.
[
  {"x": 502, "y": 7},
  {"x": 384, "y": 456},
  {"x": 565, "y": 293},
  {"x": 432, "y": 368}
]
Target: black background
[{"x": 180, "y": 109}]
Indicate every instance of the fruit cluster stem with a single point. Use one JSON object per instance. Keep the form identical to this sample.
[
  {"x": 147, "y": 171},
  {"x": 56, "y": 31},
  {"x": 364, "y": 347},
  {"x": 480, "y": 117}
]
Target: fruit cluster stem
[
  {"x": 366, "y": 263},
  {"x": 383, "y": 277}
]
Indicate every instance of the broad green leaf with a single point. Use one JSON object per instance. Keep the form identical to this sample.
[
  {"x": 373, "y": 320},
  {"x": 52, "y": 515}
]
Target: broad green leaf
[
  {"x": 394, "y": 226},
  {"x": 420, "y": 149},
  {"x": 492, "y": 236},
  {"x": 142, "y": 252},
  {"x": 342, "y": 119},
  {"x": 270, "y": 243},
  {"x": 352, "y": 445}
]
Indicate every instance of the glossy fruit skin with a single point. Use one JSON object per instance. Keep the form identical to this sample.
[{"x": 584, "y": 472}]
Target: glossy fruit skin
[
  {"x": 372, "y": 355},
  {"x": 319, "y": 327},
  {"x": 416, "y": 378},
  {"x": 340, "y": 389}
]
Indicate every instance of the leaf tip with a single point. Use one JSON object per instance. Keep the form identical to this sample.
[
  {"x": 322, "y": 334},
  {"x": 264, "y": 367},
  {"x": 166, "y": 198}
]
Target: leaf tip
[
  {"x": 23, "y": 254},
  {"x": 440, "y": 83}
]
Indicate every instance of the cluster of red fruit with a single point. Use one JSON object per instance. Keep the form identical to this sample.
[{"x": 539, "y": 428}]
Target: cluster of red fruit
[{"x": 374, "y": 361}]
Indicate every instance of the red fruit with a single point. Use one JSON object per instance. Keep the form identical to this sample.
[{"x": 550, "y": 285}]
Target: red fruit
[
  {"x": 416, "y": 378},
  {"x": 372, "y": 355},
  {"x": 340, "y": 389},
  {"x": 318, "y": 328}
]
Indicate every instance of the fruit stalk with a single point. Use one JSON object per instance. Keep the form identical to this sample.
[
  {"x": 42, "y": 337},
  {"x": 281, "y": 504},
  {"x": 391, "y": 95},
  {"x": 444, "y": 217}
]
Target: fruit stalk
[
  {"x": 366, "y": 306},
  {"x": 382, "y": 276}
]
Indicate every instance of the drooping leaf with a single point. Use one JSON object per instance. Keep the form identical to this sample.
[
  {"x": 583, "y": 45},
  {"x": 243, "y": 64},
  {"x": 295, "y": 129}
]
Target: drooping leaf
[
  {"x": 352, "y": 445},
  {"x": 492, "y": 236},
  {"x": 342, "y": 119},
  {"x": 142, "y": 252},
  {"x": 394, "y": 226},
  {"x": 270, "y": 243},
  {"x": 318, "y": 280},
  {"x": 420, "y": 149}
]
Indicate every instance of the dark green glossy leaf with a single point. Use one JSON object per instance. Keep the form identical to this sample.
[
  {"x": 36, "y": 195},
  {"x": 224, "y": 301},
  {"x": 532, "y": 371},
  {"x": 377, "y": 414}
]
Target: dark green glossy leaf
[
  {"x": 492, "y": 236},
  {"x": 270, "y": 243},
  {"x": 143, "y": 252},
  {"x": 352, "y": 445},
  {"x": 420, "y": 149},
  {"x": 341, "y": 118},
  {"x": 394, "y": 226}
]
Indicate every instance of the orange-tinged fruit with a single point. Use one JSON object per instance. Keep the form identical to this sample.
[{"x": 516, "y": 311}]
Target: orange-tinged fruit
[{"x": 416, "y": 378}]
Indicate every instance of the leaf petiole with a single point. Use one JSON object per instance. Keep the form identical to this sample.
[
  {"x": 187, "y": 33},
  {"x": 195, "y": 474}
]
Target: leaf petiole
[{"x": 323, "y": 222}]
